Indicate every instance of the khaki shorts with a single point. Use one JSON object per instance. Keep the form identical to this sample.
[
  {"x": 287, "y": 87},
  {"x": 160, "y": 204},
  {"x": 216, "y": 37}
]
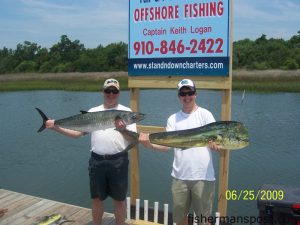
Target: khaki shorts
[{"x": 198, "y": 194}]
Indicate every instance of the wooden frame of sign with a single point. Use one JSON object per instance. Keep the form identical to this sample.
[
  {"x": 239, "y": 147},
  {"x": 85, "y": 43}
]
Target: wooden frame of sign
[{"x": 222, "y": 83}]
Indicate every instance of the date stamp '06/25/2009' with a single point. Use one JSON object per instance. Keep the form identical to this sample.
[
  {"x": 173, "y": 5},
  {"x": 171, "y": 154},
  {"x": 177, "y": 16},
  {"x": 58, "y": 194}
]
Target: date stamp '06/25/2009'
[{"x": 253, "y": 195}]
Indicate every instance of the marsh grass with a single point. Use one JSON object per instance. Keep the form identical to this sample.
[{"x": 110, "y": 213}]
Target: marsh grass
[
  {"x": 256, "y": 81},
  {"x": 267, "y": 81},
  {"x": 68, "y": 82},
  {"x": 267, "y": 86}
]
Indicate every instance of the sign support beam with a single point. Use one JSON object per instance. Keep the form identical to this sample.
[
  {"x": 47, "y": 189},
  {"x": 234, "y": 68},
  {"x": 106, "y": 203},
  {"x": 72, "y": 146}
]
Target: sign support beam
[
  {"x": 134, "y": 152},
  {"x": 189, "y": 43}
]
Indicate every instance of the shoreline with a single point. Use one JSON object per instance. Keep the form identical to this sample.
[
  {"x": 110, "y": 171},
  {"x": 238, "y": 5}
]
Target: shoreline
[
  {"x": 236, "y": 74},
  {"x": 255, "y": 80}
]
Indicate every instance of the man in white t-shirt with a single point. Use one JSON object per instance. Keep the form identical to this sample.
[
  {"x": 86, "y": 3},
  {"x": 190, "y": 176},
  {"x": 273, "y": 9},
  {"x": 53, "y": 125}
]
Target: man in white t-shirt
[
  {"x": 193, "y": 172},
  {"x": 108, "y": 165}
]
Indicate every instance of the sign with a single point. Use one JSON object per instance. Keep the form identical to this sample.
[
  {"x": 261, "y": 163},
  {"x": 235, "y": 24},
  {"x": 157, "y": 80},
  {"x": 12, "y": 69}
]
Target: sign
[{"x": 176, "y": 37}]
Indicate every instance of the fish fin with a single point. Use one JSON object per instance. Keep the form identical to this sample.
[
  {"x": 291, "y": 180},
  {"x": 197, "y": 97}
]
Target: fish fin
[
  {"x": 133, "y": 135},
  {"x": 131, "y": 145},
  {"x": 83, "y": 111},
  {"x": 44, "y": 117}
]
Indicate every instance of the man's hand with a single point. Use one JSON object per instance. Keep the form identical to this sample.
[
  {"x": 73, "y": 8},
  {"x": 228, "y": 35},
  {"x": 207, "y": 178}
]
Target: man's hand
[
  {"x": 120, "y": 124},
  {"x": 3, "y": 211},
  {"x": 144, "y": 139},
  {"x": 212, "y": 145},
  {"x": 50, "y": 124}
]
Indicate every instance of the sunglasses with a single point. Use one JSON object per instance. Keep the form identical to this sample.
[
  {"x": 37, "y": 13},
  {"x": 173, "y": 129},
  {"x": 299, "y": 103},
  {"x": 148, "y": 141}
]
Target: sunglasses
[
  {"x": 114, "y": 91},
  {"x": 189, "y": 93}
]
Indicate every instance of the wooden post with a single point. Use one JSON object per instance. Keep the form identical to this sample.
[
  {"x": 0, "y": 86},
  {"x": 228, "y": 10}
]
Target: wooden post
[
  {"x": 224, "y": 157},
  {"x": 134, "y": 153},
  {"x": 226, "y": 115}
]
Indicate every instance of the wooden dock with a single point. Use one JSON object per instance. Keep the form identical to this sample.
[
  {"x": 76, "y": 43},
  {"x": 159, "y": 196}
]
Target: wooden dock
[{"x": 28, "y": 210}]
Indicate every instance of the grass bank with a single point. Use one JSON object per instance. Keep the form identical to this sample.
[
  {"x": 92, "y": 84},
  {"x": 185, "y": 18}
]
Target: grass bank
[
  {"x": 256, "y": 81},
  {"x": 267, "y": 80},
  {"x": 59, "y": 81}
]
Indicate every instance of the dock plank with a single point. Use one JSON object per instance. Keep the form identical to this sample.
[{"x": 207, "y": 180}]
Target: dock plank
[
  {"x": 80, "y": 217},
  {"x": 15, "y": 208},
  {"x": 38, "y": 214},
  {"x": 27, "y": 210},
  {"x": 10, "y": 197},
  {"x": 21, "y": 216},
  {"x": 33, "y": 218}
]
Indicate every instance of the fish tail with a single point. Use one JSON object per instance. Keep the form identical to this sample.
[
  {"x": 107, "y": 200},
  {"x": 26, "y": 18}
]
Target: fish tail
[
  {"x": 64, "y": 220},
  {"x": 133, "y": 135},
  {"x": 44, "y": 117}
]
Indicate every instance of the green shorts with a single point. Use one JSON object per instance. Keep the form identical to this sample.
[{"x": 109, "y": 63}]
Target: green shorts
[{"x": 198, "y": 194}]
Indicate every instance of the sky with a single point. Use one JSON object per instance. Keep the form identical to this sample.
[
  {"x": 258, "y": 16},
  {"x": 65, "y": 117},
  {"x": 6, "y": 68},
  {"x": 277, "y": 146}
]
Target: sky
[{"x": 95, "y": 22}]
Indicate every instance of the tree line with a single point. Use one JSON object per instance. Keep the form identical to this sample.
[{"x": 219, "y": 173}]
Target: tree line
[
  {"x": 263, "y": 53},
  {"x": 72, "y": 56}
]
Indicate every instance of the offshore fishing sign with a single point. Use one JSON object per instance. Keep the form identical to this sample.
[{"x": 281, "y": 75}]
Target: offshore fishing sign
[{"x": 179, "y": 37}]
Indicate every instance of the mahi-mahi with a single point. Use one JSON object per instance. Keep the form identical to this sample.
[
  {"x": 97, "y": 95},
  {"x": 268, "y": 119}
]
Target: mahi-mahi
[
  {"x": 54, "y": 219},
  {"x": 229, "y": 135}
]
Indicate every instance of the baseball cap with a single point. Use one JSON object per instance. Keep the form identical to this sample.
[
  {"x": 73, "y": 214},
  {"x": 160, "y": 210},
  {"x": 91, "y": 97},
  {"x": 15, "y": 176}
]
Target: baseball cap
[
  {"x": 187, "y": 83},
  {"x": 111, "y": 83}
]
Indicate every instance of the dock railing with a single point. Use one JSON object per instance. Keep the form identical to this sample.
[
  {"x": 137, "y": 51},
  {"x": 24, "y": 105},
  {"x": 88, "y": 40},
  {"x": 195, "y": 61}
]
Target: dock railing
[{"x": 154, "y": 215}]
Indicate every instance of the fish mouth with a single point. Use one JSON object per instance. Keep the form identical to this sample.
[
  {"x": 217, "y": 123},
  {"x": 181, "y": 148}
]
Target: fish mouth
[
  {"x": 141, "y": 116},
  {"x": 246, "y": 141},
  {"x": 138, "y": 117}
]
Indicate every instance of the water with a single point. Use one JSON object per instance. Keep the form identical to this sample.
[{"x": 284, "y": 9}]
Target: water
[{"x": 53, "y": 166}]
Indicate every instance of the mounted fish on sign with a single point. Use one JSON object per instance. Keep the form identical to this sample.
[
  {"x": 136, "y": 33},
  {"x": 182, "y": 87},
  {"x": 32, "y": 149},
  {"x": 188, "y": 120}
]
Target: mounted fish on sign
[
  {"x": 92, "y": 121},
  {"x": 229, "y": 135}
]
